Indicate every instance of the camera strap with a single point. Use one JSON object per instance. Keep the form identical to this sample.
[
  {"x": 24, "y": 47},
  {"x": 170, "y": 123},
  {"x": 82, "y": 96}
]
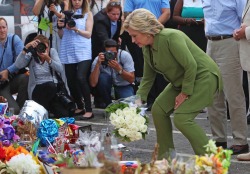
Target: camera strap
[
  {"x": 5, "y": 45},
  {"x": 12, "y": 49}
]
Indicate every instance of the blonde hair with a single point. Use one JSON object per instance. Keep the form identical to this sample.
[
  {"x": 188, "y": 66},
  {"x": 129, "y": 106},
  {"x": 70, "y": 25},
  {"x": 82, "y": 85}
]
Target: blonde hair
[{"x": 143, "y": 21}]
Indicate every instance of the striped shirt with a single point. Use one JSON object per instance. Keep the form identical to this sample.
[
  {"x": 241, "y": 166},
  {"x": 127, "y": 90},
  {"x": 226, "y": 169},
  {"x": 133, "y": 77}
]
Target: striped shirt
[{"x": 74, "y": 47}]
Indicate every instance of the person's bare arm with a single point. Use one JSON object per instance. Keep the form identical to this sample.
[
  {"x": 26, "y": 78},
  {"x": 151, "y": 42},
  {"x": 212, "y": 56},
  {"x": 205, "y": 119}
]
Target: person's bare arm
[
  {"x": 94, "y": 76},
  {"x": 89, "y": 27},
  {"x": 165, "y": 15},
  {"x": 37, "y": 7}
]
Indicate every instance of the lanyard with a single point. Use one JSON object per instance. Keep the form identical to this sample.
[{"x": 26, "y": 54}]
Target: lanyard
[{"x": 98, "y": 7}]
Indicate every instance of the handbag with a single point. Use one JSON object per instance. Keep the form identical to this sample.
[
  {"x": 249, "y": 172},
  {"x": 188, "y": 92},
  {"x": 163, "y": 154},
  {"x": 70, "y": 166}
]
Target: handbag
[{"x": 62, "y": 94}]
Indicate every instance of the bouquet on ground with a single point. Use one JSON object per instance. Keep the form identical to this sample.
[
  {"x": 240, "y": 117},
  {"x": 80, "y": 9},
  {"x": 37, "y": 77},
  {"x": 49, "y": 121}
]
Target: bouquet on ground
[
  {"x": 129, "y": 124},
  {"x": 215, "y": 161},
  {"x": 15, "y": 159}
]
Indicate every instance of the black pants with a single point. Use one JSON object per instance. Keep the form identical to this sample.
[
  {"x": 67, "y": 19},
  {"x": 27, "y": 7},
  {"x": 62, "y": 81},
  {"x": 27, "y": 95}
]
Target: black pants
[
  {"x": 78, "y": 82},
  {"x": 45, "y": 95},
  {"x": 17, "y": 85}
]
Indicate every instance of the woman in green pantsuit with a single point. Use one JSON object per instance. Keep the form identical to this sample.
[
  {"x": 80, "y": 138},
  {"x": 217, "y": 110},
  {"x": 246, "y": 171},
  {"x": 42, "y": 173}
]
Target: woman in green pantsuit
[{"x": 194, "y": 78}]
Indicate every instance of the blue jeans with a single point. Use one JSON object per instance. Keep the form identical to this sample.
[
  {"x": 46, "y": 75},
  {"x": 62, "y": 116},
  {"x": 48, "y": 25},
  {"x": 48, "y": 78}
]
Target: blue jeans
[{"x": 104, "y": 86}]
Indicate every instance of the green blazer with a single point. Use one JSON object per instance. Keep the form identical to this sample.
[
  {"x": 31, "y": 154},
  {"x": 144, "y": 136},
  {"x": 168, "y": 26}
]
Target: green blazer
[{"x": 185, "y": 66}]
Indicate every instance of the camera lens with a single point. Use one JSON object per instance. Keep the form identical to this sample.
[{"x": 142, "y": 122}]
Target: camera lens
[
  {"x": 71, "y": 23},
  {"x": 41, "y": 47},
  {"x": 109, "y": 55}
]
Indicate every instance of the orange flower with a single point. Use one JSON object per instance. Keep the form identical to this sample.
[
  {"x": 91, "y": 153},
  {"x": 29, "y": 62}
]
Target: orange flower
[{"x": 11, "y": 151}]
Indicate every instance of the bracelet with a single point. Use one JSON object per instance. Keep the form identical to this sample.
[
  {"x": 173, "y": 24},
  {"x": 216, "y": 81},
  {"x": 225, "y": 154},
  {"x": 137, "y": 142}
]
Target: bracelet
[
  {"x": 50, "y": 61},
  {"x": 185, "y": 20},
  {"x": 77, "y": 30}
]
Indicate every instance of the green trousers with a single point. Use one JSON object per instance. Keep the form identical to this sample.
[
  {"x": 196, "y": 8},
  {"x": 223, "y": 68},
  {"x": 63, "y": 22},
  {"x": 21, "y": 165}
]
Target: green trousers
[{"x": 182, "y": 121}]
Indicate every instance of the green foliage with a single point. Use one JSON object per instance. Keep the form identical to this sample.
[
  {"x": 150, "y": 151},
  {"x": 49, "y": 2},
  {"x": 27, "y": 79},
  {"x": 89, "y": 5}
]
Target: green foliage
[{"x": 113, "y": 107}]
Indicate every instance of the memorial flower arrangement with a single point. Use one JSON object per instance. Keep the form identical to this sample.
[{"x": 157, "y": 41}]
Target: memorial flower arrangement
[
  {"x": 17, "y": 160},
  {"x": 129, "y": 124},
  {"x": 215, "y": 161}
]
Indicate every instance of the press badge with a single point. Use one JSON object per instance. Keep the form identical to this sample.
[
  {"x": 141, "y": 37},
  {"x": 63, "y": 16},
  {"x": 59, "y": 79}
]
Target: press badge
[{"x": 44, "y": 24}]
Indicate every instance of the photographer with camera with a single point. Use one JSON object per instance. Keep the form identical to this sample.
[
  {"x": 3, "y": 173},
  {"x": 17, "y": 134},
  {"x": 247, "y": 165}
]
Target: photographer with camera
[
  {"x": 10, "y": 46},
  {"x": 115, "y": 67},
  {"x": 75, "y": 53},
  {"x": 44, "y": 64},
  {"x": 48, "y": 11}
]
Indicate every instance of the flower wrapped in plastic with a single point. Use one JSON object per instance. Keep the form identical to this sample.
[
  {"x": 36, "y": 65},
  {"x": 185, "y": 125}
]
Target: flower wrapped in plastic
[
  {"x": 129, "y": 124},
  {"x": 215, "y": 161},
  {"x": 7, "y": 132}
]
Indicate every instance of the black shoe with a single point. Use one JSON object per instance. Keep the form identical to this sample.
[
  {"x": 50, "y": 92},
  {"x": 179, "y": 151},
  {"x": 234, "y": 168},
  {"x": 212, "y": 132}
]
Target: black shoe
[
  {"x": 84, "y": 118},
  {"x": 239, "y": 149},
  {"x": 80, "y": 113},
  {"x": 248, "y": 119},
  {"x": 222, "y": 144}
]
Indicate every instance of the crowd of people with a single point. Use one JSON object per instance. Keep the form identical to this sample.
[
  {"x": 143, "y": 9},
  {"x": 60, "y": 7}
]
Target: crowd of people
[{"x": 94, "y": 47}]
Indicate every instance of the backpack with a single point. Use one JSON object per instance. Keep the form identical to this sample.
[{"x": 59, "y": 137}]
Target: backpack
[{"x": 23, "y": 70}]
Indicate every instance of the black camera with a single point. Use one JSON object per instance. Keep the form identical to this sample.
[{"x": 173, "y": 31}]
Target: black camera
[
  {"x": 40, "y": 48},
  {"x": 108, "y": 55},
  {"x": 69, "y": 18},
  {"x": 66, "y": 101}
]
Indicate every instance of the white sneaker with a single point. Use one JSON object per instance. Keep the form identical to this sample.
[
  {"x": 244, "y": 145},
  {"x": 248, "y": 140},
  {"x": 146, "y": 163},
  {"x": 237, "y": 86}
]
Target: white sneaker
[{"x": 244, "y": 157}]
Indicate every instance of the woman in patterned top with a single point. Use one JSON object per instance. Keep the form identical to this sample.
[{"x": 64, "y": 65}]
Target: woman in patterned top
[{"x": 75, "y": 54}]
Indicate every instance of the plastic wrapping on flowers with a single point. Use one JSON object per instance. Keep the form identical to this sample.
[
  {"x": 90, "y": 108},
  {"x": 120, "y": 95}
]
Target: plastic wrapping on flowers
[
  {"x": 130, "y": 123},
  {"x": 215, "y": 161}
]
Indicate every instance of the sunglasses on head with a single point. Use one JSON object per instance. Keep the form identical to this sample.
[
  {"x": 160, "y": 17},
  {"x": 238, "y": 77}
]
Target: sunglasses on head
[{"x": 115, "y": 3}]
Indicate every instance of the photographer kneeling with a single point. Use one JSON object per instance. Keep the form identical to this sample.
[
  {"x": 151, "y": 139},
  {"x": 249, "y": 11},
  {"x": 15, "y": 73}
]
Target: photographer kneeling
[
  {"x": 113, "y": 67},
  {"x": 43, "y": 64}
]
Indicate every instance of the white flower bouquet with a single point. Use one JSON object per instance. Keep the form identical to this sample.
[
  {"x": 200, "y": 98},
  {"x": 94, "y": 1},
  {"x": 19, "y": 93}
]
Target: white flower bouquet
[{"x": 129, "y": 124}]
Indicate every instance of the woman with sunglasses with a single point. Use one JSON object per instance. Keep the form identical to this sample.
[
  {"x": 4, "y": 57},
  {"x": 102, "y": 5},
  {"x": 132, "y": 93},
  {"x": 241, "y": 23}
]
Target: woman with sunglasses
[
  {"x": 75, "y": 54},
  {"x": 107, "y": 25}
]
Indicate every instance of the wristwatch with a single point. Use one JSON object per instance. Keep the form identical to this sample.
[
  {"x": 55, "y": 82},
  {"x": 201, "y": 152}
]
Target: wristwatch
[
  {"x": 120, "y": 72},
  {"x": 25, "y": 49}
]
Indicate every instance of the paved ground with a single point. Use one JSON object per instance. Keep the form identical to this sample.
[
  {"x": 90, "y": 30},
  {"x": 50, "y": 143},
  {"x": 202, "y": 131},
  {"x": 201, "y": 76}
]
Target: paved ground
[{"x": 143, "y": 149}]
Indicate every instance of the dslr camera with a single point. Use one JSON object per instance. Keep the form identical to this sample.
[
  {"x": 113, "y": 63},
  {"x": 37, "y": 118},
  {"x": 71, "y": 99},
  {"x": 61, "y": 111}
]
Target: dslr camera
[
  {"x": 40, "y": 48},
  {"x": 108, "y": 55},
  {"x": 69, "y": 18}
]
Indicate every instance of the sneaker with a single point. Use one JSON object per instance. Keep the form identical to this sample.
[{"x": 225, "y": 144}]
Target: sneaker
[
  {"x": 239, "y": 149},
  {"x": 244, "y": 157}
]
